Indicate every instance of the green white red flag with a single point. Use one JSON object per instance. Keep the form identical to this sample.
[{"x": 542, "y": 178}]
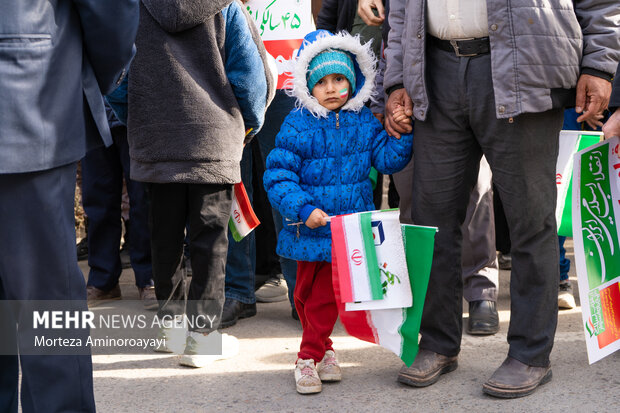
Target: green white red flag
[
  {"x": 396, "y": 329},
  {"x": 242, "y": 217}
]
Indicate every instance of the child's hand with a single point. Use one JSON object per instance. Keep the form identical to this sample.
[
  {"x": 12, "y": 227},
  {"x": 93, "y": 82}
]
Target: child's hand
[
  {"x": 316, "y": 219},
  {"x": 401, "y": 117}
]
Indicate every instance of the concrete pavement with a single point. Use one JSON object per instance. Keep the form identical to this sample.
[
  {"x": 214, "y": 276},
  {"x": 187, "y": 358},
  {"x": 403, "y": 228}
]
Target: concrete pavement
[{"x": 260, "y": 378}]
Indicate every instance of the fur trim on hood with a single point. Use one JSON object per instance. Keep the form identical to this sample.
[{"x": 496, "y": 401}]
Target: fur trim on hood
[
  {"x": 178, "y": 15},
  {"x": 363, "y": 59}
]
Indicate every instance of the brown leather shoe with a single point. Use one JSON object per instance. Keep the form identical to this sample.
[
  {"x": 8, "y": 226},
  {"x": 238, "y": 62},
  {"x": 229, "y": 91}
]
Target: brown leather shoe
[
  {"x": 426, "y": 368},
  {"x": 514, "y": 379}
]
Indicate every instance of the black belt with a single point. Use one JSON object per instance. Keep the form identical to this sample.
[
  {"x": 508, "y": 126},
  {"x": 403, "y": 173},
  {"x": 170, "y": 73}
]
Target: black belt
[{"x": 463, "y": 48}]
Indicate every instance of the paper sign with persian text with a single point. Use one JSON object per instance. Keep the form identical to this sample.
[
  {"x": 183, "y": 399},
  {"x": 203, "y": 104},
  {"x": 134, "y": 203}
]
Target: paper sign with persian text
[
  {"x": 282, "y": 25},
  {"x": 596, "y": 231}
]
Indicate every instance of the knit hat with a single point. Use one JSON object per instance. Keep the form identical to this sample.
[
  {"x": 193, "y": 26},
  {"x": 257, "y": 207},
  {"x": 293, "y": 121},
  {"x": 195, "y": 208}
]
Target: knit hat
[{"x": 328, "y": 62}]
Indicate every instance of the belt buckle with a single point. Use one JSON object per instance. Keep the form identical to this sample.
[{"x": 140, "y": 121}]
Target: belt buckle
[{"x": 455, "y": 46}]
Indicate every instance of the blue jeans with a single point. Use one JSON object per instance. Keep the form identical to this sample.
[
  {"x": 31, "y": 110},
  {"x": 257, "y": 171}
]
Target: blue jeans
[
  {"x": 241, "y": 260},
  {"x": 241, "y": 264},
  {"x": 564, "y": 262}
]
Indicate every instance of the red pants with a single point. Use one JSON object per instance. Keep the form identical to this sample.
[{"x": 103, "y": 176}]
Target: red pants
[{"x": 316, "y": 306}]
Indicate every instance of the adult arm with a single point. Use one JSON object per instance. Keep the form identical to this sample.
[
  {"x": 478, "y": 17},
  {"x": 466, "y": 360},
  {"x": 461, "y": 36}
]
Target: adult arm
[
  {"x": 599, "y": 21},
  {"x": 365, "y": 10},
  {"x": 328, "y": 16},
  {"x": 109, "y": 30},
  {"x": 245, "y": 68}
]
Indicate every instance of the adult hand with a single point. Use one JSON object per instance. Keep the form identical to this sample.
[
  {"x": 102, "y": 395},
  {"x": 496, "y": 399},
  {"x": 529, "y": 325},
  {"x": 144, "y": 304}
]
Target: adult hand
[
  {"x": 316, "y": 219},
  {"x": 398, "y": 100},
  {"x": 612, "y": 126},
  {"x": 592, "y": 99},
  {"x": 365, "y": 10}
]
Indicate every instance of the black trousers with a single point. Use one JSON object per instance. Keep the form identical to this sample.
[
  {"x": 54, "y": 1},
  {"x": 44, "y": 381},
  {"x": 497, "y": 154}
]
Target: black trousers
[
  {"x": 461, "y": 126},
  {"x": 206, "y": 210}
]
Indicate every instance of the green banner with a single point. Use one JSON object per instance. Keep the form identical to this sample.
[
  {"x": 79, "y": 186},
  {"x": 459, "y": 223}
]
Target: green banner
[{"x": 598, "y": 222}]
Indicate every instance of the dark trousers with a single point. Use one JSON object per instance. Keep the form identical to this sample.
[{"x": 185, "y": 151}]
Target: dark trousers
[
  {"x": 461, "y": 126},
  {"x": 103, "y": 170},
  {"x": 316, "y": 305},
  {"x": 38, "y": 262},
  {"x": 206, "y": 210}
]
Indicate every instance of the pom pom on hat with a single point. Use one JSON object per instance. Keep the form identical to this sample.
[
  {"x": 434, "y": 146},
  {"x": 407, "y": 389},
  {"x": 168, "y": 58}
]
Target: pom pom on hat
[{"x": 328, "y": 62}]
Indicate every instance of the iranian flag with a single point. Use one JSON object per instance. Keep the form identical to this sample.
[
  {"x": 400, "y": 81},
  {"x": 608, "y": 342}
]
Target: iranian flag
[
  {"x": 571, "y": 142},
  {"x": 242, "y": 217},
  {"x": 396, "y": 329},
  {"x": 354, "y": 244}
]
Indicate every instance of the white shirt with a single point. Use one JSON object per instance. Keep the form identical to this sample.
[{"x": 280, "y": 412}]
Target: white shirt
[{"x": 457, "y": 19}]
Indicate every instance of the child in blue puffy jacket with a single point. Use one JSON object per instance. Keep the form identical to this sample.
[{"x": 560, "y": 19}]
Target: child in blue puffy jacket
[{"x": 320, "y": 168}]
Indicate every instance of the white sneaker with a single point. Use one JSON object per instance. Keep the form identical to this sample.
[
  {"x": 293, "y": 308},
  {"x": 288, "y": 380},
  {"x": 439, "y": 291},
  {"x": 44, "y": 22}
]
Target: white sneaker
[
  {"x": 328, "y": 368},
  {"x": 170, "y": 340},
  {"x": 307, "y": 379},
  {"x": 274, "y": 290},
  {"x": 199, "y": 348},
  {"x": 566, "y": 299}
]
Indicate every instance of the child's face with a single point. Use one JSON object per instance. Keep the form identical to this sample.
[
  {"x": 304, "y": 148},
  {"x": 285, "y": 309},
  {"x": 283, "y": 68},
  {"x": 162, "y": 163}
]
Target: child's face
[{"x": 332, "y": 91}]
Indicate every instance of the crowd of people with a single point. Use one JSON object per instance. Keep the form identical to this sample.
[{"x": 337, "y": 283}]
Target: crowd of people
[{"x": 175, "y": 101}]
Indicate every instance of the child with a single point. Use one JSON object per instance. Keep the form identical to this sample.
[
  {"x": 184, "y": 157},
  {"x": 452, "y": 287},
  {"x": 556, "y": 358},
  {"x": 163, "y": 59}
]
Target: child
[
  {"x": 198, "y": 81},
  {"x": 320, "y": 168}
]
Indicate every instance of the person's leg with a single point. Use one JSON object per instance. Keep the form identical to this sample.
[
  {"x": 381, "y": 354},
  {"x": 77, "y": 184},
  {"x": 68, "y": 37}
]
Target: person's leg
[
  {"x": 402, "y": 181},
  {"x": 480, "y": 272},
  {"x": 139, "y": 239},
  {"x": 522, "y": 152},
  {"x": 39, "y": 263},
  {"x": 447, "y": 160},
  {"x": 318, "y": 305},
  {"x": 168, "y": 204},
  {"x": 209, "y": 211},
  {"x": 102, "y": 181},
  {"x": 9, "y": 361}
]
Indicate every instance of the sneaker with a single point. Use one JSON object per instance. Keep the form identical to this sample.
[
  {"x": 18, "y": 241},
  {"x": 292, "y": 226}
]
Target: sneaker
[
  {"x": 566, "y": 300},
  {"x": 147, "y": 296},
  {"x": 96, "y": 296},
  {"x": 504, "y": 261},
  {"x": 307, "y": 379},
  {"x": 170, "y": 340},
  {"x": 272, "y": 291},
  {"x": 328, "y": 368},
  {"x": 198, "y": 347}
]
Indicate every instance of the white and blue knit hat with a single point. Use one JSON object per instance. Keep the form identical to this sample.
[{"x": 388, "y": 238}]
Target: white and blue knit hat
[{"x": 328, "y": 62}]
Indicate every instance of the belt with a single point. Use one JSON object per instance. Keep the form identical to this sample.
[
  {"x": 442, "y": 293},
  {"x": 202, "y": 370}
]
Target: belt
[{"x": 463, "y": 48}]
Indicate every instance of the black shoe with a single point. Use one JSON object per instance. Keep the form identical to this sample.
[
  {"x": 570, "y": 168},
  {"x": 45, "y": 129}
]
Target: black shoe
[
  {"x": 234, "y": 310},
  {"x": 294, "y": 314},
  {"x": 483, "y": 318},
  {"x": 82, "y": 249}
]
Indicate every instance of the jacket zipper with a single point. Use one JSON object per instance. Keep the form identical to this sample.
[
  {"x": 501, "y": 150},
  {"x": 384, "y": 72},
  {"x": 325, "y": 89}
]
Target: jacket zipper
[
  {"x": 339, "y": 143},
  {"x": 337, "y": 120}
]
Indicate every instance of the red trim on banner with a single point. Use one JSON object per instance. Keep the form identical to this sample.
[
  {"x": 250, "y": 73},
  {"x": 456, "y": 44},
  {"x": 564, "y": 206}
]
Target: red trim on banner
[{"x": 339, "y": 251}]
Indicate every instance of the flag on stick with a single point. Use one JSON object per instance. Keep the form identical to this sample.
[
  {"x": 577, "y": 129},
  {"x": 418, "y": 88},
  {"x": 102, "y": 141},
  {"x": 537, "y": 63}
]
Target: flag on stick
[{"x": 242, "y": 217}]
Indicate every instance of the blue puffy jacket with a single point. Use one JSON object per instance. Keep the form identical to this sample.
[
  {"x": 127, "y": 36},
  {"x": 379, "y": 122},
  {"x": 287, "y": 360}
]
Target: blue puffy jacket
[{"x": 322, "y": 159}]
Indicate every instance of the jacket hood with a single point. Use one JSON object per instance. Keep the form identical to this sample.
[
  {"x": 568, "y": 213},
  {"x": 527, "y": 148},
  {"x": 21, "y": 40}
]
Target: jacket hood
[
  {"x": 363, "y": 60},
  {"x": 178, "y": 15}
]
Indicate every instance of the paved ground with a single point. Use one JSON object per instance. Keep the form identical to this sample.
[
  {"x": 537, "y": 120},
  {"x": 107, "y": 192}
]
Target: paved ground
[{"x": 260, "y": 379}]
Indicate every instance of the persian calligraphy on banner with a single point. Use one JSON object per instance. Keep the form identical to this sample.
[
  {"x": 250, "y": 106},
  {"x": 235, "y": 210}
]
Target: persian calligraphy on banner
[
  {"x": 282, "y": 25},
  {"x": 596, "y": 209}
]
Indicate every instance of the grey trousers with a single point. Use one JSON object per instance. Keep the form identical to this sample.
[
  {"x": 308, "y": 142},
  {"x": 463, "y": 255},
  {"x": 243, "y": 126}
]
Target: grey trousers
[
  {"x": 460, "y": 127},
  {"x": 479, "y": 260}
]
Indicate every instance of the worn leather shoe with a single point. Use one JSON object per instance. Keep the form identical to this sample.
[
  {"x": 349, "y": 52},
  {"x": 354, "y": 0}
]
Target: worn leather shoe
[
  {"x": 483, "y": 318},
  {"x": 514, "y": 379},
  {"x": 234, "y": 310},
  {"x": 426, "y": 368}
]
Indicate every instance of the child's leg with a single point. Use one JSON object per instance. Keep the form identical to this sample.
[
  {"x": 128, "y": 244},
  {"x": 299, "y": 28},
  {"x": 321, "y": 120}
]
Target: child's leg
[
  {"x": 209, "y": 211},
  {"x": 316, "y": 306}
]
